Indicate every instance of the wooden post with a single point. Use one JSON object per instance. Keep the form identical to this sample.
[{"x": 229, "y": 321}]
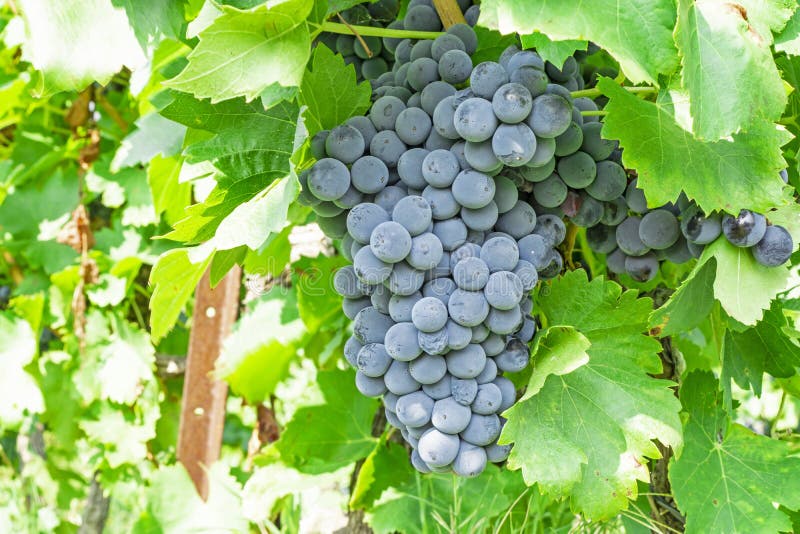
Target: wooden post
[
  {"x": 203, "y": 405},
  {"x": 449, "y": 12}
]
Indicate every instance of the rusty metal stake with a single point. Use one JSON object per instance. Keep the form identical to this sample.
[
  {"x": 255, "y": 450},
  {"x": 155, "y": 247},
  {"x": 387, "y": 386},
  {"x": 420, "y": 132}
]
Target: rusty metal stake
[{"x": 203, "y": 405}]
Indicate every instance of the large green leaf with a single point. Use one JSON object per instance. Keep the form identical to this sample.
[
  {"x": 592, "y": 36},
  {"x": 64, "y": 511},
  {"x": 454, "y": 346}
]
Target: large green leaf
[
  {"x": 638, "y": 33},
  {"x": 419, "y": 504},
  {"x": 19, "y": 392},
  {"x": 154, "y": 135},
  {"x": 555, "y": 52},
  {"x": 256, "y": 356},
  {"x": 75, "y": 42},
  {"x": 385, "y": 467},
  {"x": 243, "y": 53},
  {"x": 586, "y": 423},
  {"x": 727, "y": 67},
  {"x": 730, "y": 174},
  {"x": 327, "y": 108},
  {"x": 766, "y": 347},
  {"x": 789, "y": 39},
  {"x": 325, "y": 437},
  {"x": 173, "y": 278},
  {"x": 251, "y": 148},
  {"x": 690, "y": 304},
  {"x": 726, "y": 479}
]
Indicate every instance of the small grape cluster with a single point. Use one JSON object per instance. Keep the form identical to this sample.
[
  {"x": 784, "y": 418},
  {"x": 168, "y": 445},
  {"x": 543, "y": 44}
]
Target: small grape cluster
[
  {"x": 444, "y": 251},
  {"x": 377, "y": 57}
]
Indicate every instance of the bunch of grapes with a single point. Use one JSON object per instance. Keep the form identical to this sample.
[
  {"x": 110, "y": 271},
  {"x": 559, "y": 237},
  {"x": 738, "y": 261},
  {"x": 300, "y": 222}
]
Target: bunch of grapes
[
  {"x": 377, "y": 57},
  {"x": 423, "y": 194}
]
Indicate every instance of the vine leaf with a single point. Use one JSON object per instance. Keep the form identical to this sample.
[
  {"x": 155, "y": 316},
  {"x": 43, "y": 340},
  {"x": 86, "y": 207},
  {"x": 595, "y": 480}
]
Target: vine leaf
[
  {"x": 154, "y": 135},
  {"x": 385, "y": 467},
  {"x": 417, "y": 504},
  {"x": 789, "y": 39},
  {"x": 731, "y": 95},
  {"x": 690, "y": 304},
  {"x": 586, "y": 425},
  {"x": 327, "y": 108},
  {"x": 257, "y": 354},
  {"x": 173, "y": 278},
  {"x": 556, "y": 52},
  {"x": 766, "y": 347},
  {"x": 637, "y": 33},
  {"x": 731, "y": 174},
  {"x": 20, "y": 395},
  {"x": 726, "y": 479},
  {"x": 249, "y": 146},
  {"x": 325, "y": 437},
  {"x": 243, "y": 53}
]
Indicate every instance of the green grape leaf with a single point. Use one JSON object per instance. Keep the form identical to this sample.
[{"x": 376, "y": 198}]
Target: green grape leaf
[
  {"x": 427, "y": 503},
  {"x": 75, "y": 42},
  {"x": 223, "y": 262},
  {"x": 170, "y": 196},
  {"x": 125, "y": 442},
  {"x": 766, "y": 347},
  {"x": 327, "y": 108},
  {"x": 744, "y": 287},
  {"x": 638, "y": 33},
  {"x": 318, "y": 305},
  {"x": 491, "y": 44},
  {"x": 788, "y": 40},
  {"x": 588, "y": 420},
  {"x": 250, "y": 146},
  {"x": 38, "y": 209},
  {"x": 174, "y": 505},
  {"x": 726, "y": 479},
  {"x": 241, "y": 54},
  {"x": 19, "y": 392},
  {"x": 173, "y": 278},
  {"x": 690, "y": 304},
  {"x": 556, "y": 52},
  {"x": 154, "y": 135},
  {"x": 325, "y": 437},
  {"x": 730, "y": 174},
  {"x": 379, "y": 472},
  {"x": 728, "y": 95},
  {"x": 127, "y": 364},
  {"x": 255, "y": 357}
]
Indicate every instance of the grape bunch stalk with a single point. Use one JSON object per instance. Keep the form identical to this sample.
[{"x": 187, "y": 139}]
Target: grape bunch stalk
[{"x": 445, "y": 252}]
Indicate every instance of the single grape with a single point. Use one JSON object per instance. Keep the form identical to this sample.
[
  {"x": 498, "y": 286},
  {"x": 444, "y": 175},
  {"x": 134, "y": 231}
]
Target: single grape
[
  {"x": 505, "y": 195},
  {"x": 470, "y": 461},
  {"x": 508, "y": 391},
  {"x": 426, "y": 251},
  {"x": 402, "y": 52},
  {"x": 473, "y": 189},
  {"x": 463, "y": 390},
  {"x": 328, "y": 179},
  {"x": 745, "y": 230},
  {"x": 468, "y": 308},
  {"x": 413, "y": 213},
  {"x": 481, "y": 219},
  {"x": 409, "y": 167},
  {"x": 525, "y": 58},
  {"x": 421, "y": 49},
  {"x": 512, "y": 103},
  {"x": 487, "y": 78},
  {"x": 422, "y": 72},
  {"x": 514, "y": 144},
  {"x": 370, "y": 325},
  {"x": 465, "y": 33},
  {"x": 380, "y": 299},
  {"x": 363, "y": 219},
  {"x": 593, "y": 142},
  {"x": 438, "y": 390},
  {"x": 467, "y": 362},
  {"x": 679, "y": 252},
  {"x": 493, "y": 344},
  {"x": 433, "y": 94},
  {"x": 318, "y": 144},
  {"x": 346, "y": 284},
  {"x": 489, "y": 372},
  {"x": 373, "y": 68},
  {"x": 479, "y": 333},
  {"x": 368, "y": 386},
  {"x": 481, "y": 157},
  {"x": 551, "y": 192},
  {"x": 404, "y": 279},
  {"x": 475, "y": 120},
  {"x": 533, "y": 79},
  {"x": 567, "y": 71},
  {"x": 373, "y": 360},
  {"x": 351, "y": 348},
  {"x": 659, "y": 229},
  {"x": 578, "y": 170},
  {"x": 527, "y": 274},
  {"x": 614, "y": 212},
  {"x": 570, "y": 141},
  {"x": 494, "y": 453},
  {"x": 455, "y": 66},
  {"x": 541, "y": 172},
  {"x": 527, "y": 331},
  {"x": 610, "y": 182},
  {"x": 428, "y": 369},
  {"x": 458, "y": 336},
  {"x": 436, "y": 142},
  {"x": 390, "y": 242},
  {"x": 440, "y": 288},
  {"x": 615, "y": 261},
  {"x": 589, "y": 211},
  {"x": 550, "y": 115},
  {"x": 418, "y": 463},
  {"x": 602, "y": 238},
  {"x": 551, "y": 228},
  {"x": 500, "y": 253},
  {"x": 413, "y": 126},
  {"x": 444, "y": 117},
  {"x": 449, "y": 416},
  {"x": 422, "y": 18},
  {"x": 503, "y": 290},
  {"x": 400, "y": 306},
  {"x": 438, "y": 449},
  {"x": 628, "y": 238},
  {"x": 699, "y": 229},
  {"x": 429, "y": 314},
  {"x": 440, "y": 168},
  {"x": 504, "y": 321},
  {"x": 414, "y": 409},
  {"x": 471, "y": 274},
  {"x": 387, "y": 147},
  {"x": 369, "y": 268},
  {"x": 642, "y": 268},
  {"x": 482, "y": 429},
  {"x": 471, "y": 15},
  {"x": 774, "y": 248},
  {"x": 518, "y": 221},
  {"x": 334, "y": 227},
  {"x": 635, "y": 199},
  {"x": 555, "y": 264},
  {"x": 445, "y": 43},
  {"x": 344, "y": 45},
  {"x": 351, "y": 307},
  {"x": 398, "y": 380},
  {"x": 488, "y": 399},
  {"x": 451, "y": 232},
  {"x": 384, "y": 112},
  {"x": 514, "y": 358},
  {"x": 401, "y": 342},
  {"x": 389, "y": 196}
]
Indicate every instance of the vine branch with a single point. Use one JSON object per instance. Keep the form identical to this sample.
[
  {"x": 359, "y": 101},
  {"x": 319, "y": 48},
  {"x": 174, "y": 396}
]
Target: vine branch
[
  {"x": 591, "y": 93},
  {"x": 373, "y": 31}
]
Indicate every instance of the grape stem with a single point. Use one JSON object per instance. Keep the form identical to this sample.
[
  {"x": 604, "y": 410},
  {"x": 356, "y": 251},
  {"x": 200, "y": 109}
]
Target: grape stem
[
  {"x": 594, "y": 113},
  {"x": 358, "y": 35},
  {"x": 373, "y": 31},
  {"x": 596, "y": 92}
]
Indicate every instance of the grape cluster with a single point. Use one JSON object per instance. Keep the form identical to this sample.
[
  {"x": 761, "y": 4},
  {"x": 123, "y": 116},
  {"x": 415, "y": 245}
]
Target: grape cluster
[
  {"x": 377, "y": 58},
  {"x": 678, "y": 232},
  {"x": 445, "y": 252}
]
